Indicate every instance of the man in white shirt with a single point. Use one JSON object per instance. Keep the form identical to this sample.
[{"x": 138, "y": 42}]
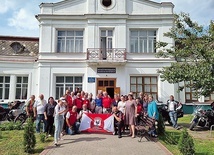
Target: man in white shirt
[
  {"x": 172, "y": 106},
  {"x": 39, "y": 108}
]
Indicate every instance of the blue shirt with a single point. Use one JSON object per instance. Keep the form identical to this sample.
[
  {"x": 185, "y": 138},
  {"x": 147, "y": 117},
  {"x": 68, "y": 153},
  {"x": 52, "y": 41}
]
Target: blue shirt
[
  {"x": 152, "y": 108},
  {"x": 98, "y": 102}
]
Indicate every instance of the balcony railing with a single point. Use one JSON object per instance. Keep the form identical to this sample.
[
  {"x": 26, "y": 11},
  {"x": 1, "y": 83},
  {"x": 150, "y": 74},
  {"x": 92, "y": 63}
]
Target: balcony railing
[{"x": 106, "y": 54}]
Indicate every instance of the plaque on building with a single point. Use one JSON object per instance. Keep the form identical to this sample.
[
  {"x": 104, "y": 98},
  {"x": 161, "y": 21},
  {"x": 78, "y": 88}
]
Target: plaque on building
[
  {"x": 106, "y": 70},
  {"x": 91, "y": 79}
]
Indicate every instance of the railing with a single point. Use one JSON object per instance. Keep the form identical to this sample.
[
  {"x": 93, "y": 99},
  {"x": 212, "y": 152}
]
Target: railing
[{"x": 106, "y": 54}]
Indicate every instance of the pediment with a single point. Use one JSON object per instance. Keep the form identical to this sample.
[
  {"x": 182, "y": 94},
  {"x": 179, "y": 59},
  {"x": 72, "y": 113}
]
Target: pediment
[
  {"x": 148, "y": 7},
  {"x": 70, "y": 7},
  {"x": 131, "y": 7}
]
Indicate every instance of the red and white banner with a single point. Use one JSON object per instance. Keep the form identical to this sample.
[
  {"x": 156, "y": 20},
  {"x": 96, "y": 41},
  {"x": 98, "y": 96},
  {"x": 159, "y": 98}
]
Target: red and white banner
[{"x": 101, "y": 123}]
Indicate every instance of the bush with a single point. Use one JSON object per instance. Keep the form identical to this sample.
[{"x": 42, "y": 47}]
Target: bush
[
  {"x": 42, "y": 137},
  {"x": 10, "y": 126},
  {"x": 17, "y": 126},
  {"x": 29, "y": 136},
  {"x": 186, "y": 144},
  {"x": 161, "y": 125}
]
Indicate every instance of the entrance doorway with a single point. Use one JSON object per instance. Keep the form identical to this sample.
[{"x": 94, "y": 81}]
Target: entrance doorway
[
  {"x": 110, "y": 92},
  {"x": 108, "y": 85}
]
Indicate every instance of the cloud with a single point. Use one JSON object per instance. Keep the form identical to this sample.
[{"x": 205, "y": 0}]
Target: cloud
[
  {"x": 6, "y": 5},
  {"x": 23, "y": 19}
]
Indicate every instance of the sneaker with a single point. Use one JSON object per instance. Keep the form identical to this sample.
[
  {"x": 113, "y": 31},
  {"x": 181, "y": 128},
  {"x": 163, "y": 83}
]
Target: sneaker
[
  {"x": 49, "y": 135},
  {"x": 119, "y": 136},
  {"x": 178, "y": 128},
  {"x": 55, "y": 144},
  {"x": 154, "y": 135}
]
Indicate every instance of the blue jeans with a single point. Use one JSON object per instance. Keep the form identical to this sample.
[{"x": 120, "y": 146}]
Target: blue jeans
[
  {"x": 75, "y": 129},
  {"x": 174, "y": 119},
  {"x": 39, "y": 119},
  {"x": 58, "y": 121}
]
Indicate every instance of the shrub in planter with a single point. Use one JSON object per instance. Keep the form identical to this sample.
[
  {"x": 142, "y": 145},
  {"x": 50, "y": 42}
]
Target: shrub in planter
[
  {"x": 186, "y": 144},
  {"x": 29, "y": 136}
]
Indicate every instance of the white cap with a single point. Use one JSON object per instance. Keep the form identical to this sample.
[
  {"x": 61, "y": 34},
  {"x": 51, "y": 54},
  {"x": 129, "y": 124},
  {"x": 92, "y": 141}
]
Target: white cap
[{"x": 62, "y": 99}]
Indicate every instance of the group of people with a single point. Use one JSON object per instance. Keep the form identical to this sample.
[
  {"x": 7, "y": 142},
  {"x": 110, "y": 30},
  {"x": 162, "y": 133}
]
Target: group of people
[{"x": 66, "y": 113}]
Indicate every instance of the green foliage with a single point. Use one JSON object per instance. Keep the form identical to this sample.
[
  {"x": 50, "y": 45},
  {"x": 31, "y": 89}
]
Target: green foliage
[
  {"x": 42, "y": 137},
  {"x": 193, "y": 53},
  {"x": 161, "y": 125},
  {"x": 29, "y": 136},
  {"x": 12, "y": 143},
  {"x": 10, "y": 126},
  {"x": 186, "y": 144}
]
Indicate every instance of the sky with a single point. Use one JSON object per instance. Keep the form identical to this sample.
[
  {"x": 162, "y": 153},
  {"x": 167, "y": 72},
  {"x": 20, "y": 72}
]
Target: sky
[{"x": 18, "y": 16}]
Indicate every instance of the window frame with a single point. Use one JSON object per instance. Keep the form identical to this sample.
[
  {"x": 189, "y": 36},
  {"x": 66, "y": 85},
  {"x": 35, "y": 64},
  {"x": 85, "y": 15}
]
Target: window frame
[
  {"x": 73, "y": 47},
  {"x": 22, "y": 87},
  {"x": 4, "y": 83},
  {"x": 64, "y": 84},
  {"x": 143, "y": 38},
  {"x": 143, "y": 85},
  {"x": 192, "y": 97}
]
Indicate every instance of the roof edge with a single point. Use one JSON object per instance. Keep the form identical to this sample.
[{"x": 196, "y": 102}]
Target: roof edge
[{"x": 19, "y": 38}]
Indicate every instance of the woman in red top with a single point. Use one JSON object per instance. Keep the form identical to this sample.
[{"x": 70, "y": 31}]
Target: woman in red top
[
  {"x": 78, "y": 102},
  {"x": 106, "y": 103},
  {"x": 68, "y": 98},
  {"x": 86, "y": 101},
  {"x": 139, "y": 110}
]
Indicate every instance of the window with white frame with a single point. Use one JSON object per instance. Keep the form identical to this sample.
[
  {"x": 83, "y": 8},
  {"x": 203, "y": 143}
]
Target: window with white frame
[
  {"x": 21, "y": 87},
  {"x": 142, "y": 41},
  {"x": 145, "y": 84},
  {"x": 4, "y": 87},
  {"x": 70, "y": 41},
  {"x": 67, "y": 82}
]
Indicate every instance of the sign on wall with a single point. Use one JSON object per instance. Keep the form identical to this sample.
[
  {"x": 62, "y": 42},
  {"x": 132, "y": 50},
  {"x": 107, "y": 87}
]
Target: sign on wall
[
  {"x": 91, "y": 79},
  {"x": 106, "y": 70}
]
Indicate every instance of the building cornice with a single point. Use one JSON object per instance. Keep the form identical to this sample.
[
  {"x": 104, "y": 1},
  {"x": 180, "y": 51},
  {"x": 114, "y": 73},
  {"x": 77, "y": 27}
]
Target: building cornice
[
  {"x": 41, "y": 17},
  {"x": 17, "y": 58}
]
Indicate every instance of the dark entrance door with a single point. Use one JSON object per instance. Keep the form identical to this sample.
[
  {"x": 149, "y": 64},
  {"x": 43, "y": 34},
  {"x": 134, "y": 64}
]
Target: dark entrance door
[{"x": 110, "y": 92}]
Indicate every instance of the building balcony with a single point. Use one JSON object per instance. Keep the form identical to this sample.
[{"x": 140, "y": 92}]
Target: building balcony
[{"x": 101, "y": 56}]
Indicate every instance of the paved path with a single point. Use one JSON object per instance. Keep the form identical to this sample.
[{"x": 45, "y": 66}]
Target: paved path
[{"x": 102, "y": 144}]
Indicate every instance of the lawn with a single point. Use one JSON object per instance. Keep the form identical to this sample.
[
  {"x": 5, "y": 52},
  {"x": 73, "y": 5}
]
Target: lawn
[
  {"x": 11, "y": 143},
  {"x": 203, "y": 141}
]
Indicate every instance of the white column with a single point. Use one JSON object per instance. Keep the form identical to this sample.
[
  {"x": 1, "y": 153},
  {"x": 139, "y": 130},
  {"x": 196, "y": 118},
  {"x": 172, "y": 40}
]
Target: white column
[{"x": 12, "y": 88}]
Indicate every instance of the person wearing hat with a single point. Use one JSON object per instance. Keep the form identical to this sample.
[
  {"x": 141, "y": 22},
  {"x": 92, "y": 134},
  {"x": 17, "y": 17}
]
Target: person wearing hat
[{"x": 59, "y": 111}]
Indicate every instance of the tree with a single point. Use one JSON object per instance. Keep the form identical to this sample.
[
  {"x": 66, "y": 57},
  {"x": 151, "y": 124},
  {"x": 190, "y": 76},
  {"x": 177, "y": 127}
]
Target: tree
[
  {"x": 193, "y": 55},
  {"x": 29, "y": 136},
  {"x": 161, "y": 125},
  {"x": 186, "y": 144}
]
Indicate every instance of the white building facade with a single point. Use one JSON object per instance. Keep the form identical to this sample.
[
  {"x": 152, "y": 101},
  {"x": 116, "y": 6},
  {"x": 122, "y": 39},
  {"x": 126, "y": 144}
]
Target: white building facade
[
  {"x": 96, "y": 45},
  {"x": 106, "y": 45}
]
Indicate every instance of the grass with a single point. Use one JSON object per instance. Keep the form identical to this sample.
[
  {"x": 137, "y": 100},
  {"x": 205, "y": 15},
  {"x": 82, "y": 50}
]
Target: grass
[
  {"x": 11, "y": 143},
  {"x": 203, "y": 145}
]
